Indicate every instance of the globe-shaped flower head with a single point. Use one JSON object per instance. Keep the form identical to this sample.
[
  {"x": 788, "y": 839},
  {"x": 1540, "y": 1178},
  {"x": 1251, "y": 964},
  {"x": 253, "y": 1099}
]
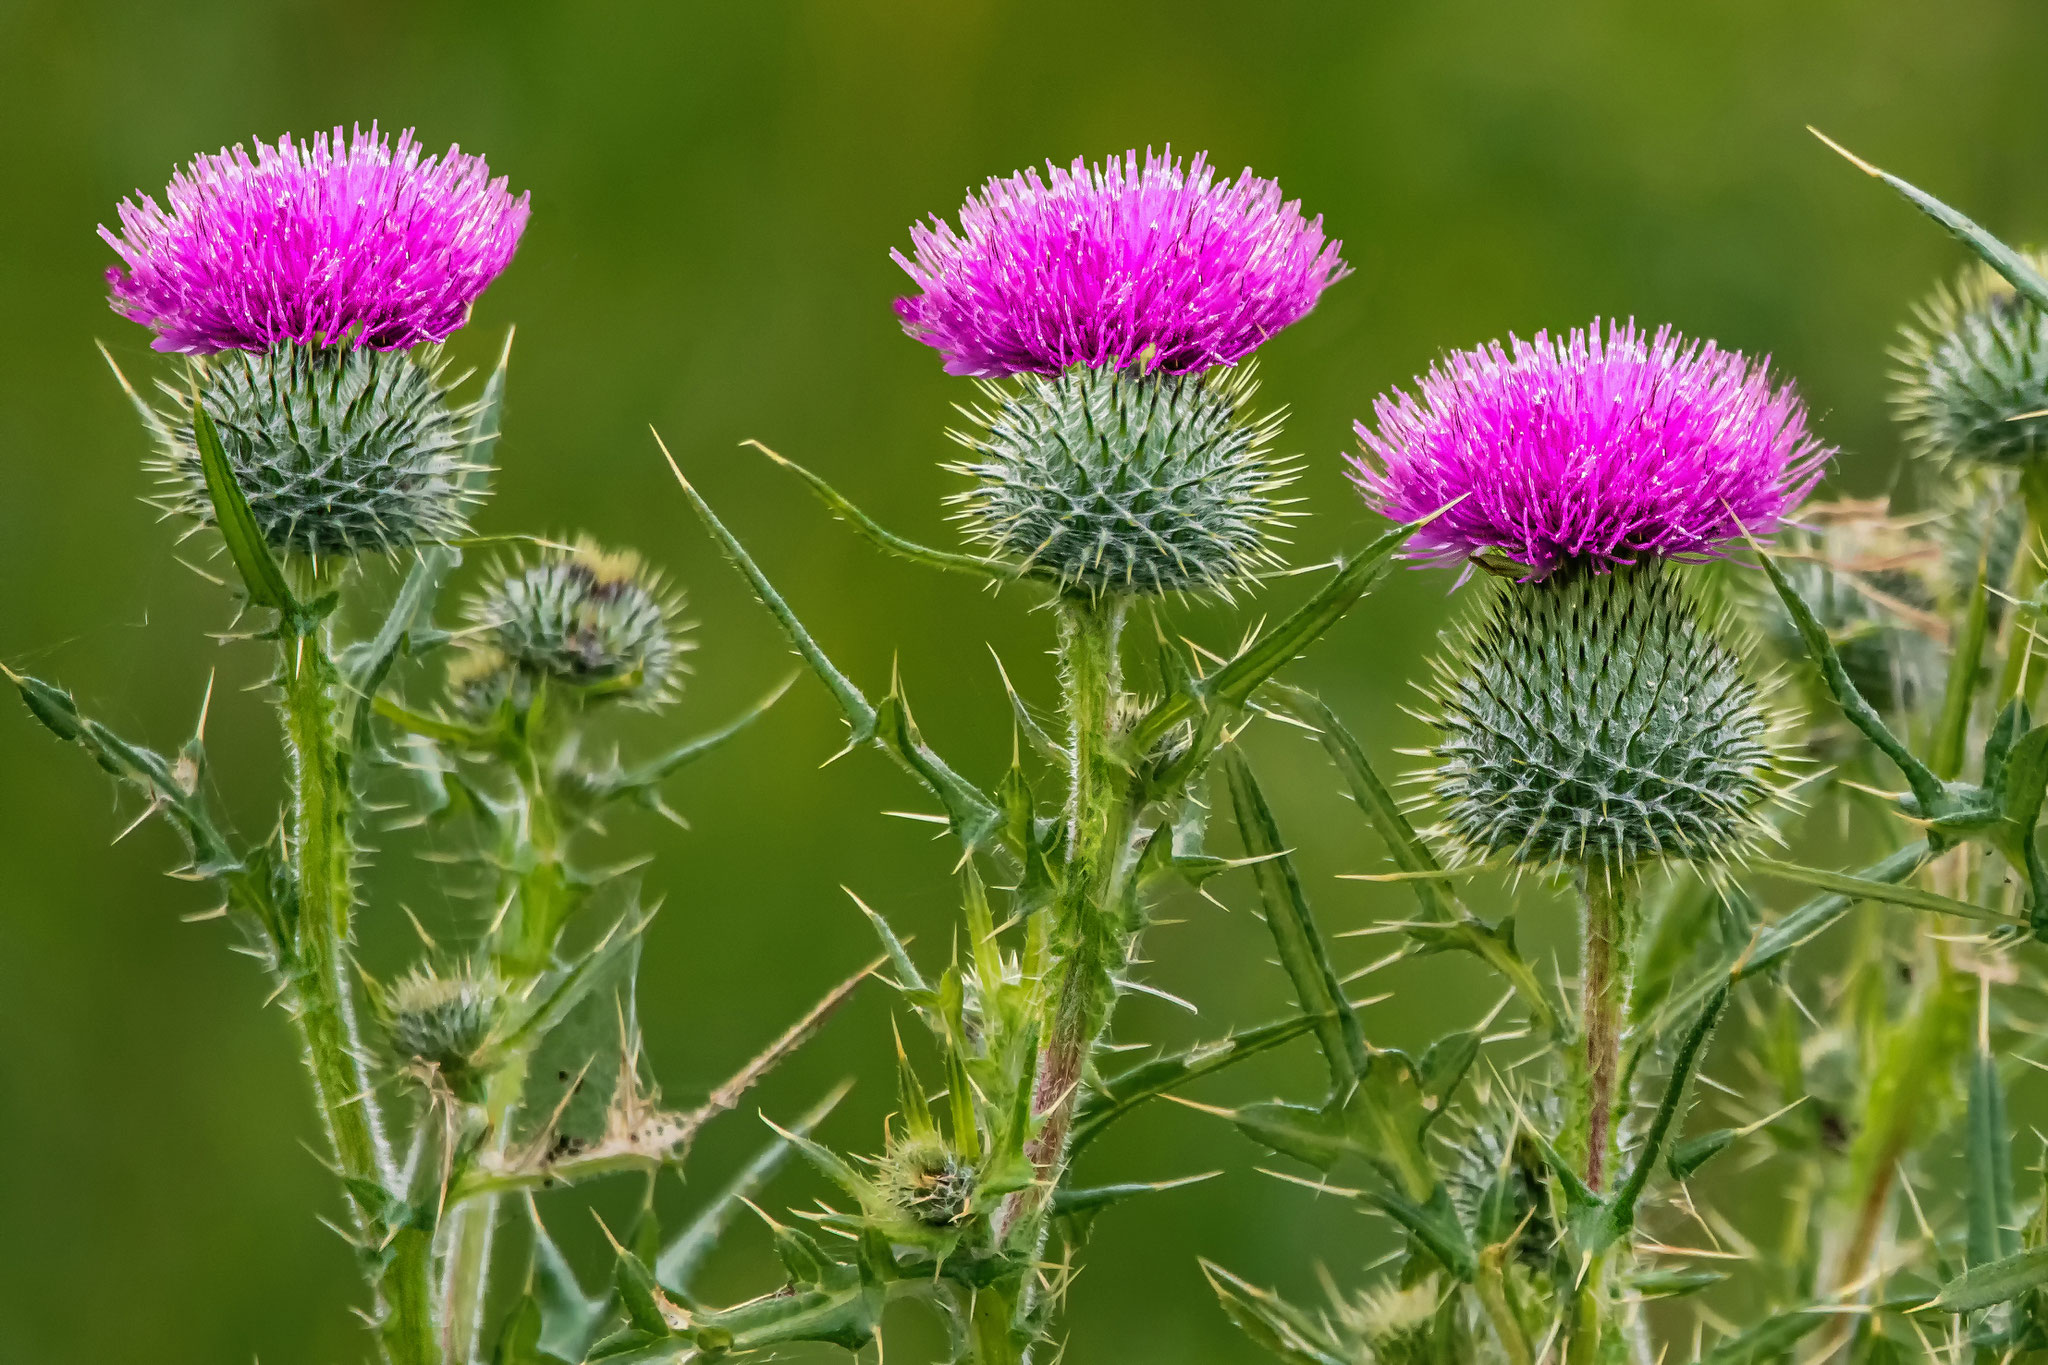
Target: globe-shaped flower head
[
  {"x": 1102, "y": 306},
  {"x": 1595, "y": 713},
  {"x": 307, "y": 286}
]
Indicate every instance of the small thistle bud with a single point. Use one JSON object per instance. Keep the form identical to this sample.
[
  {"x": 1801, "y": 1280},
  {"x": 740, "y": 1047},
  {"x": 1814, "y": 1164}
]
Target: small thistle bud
[
  {"x": 1128, "y": 710},
  {"x": 1972, "y": 366},
  {"x": 1599, "y": 720},
  {"x": 928, "y": 1181},
  {"x": 1117, "y": 481},
  {"x": 599, "y": 623},
  {"x": 339, "y": 450},
  {"x": 441, "y": 1023}
]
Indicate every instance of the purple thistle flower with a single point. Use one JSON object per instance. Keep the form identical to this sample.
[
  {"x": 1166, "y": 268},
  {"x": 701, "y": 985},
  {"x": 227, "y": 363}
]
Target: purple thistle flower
[
  {"x": 1162, "y": 265},
  {"x": 316, "y": 243},
  {"x": 1601, "y": 449}
]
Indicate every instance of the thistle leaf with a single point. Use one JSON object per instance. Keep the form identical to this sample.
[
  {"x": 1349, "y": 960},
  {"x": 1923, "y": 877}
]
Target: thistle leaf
[
  {"x": 251, "y": 553},
  {"x": 1863, "y": 888},
  {"x": 1769, "y": 1341},
  {"x": 1303, "y": 952},
  {"x": 1233, "y": 684},
  {"x": 1284, "y": 1331},
  {"x": 643, "y": 778},
  {"x": 1987, "y": 1154},
  {"x": 1111, "y": 1099},
  {"x": 1927, "y": 788},
  {"x": 873, "y": 532},
  {"x": 1619, "y": 1214},
  {"x": 570, "y": 1318},
  {"x": 1995, "y": 253},
  {"x": 1999, "y": 1282}
]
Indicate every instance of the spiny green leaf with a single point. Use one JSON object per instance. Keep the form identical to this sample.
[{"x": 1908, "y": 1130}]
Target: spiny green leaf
[
  {"x": 1295, "y": 1337},
  {"x": 1620, "y": 1213},
  {"x": 1768, "y": 1342},
  {"x": 238, "y": 528},
  {"x": 519, "y": 1337},
  {"x": 1688, "y": 1156},
  {"x": 1995, "y": 253},
  {"x": 1303, "y": 952},
  {"x": 570, "y": 1318},
  {"x": 1863, "y": 888},
  {"x": 1987, "y": 1155},
  {"x": 1999, "y": 1282},
  {"x": 646, "y": 776},
  {"x": 1927, "y": 788},
  {"x": 1110, "y": 1100},
  {"x": 876, "y": 534},
  {"x": 1233, "y": 684}
]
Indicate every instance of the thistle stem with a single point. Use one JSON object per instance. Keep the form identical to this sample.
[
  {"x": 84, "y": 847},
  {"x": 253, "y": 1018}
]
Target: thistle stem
[
  {"x": 1087, "y": 945},
  {"x": 522, "y": 947},
  {"x": 2023, "y": 581},
  {"x": 323, "y": 1004},
  {"x": 1607, "y": 969}
]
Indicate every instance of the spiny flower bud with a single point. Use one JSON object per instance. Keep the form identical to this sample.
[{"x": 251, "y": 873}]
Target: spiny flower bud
[
  {"x": 1972, "y": 366},
  {"x": 1116, "y": 481},
  {"x": 598, "y": 623},
  {"x": 928, "y": 1181},
  {"x": 1599, "y": 720},
  {"x": 441, "y": 1023},
  {"x": 338, "y": 450}
]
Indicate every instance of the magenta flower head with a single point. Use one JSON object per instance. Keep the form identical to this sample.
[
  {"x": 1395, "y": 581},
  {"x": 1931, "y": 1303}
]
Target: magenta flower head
[
  {"x": 323, "y": 242},
  {"x": 1159, "y": 265},
  {"x": 1601, "y": 448}
]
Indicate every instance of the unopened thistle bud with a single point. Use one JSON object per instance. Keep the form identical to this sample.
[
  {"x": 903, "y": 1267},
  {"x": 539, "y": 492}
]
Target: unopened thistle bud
[
  {"x": 338, "y": 450},
  {"x": 1115, "y": 481},
  {"x": 1595, "y": 715},
  {"x": 1972, "y": 372},
  {"x": 307, "y": 285},
  {"x": 1599, "y": 720},
  {"x": 441, "y": 1023},
  {"x": 928, "y": 1181},
  {"x": 1121, "y": 457},
  {"x": 595, "y": 623}
]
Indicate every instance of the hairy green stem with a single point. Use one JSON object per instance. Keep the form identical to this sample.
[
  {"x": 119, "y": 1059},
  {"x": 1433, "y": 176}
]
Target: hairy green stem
[
  {"x": 1607, "y": 937},
  {"x": 322, "y": 996},
  {"x": 1490, "y": 1284},
  {"x": 522, "y": 947},
  {"x": 1087, "y": 945}
]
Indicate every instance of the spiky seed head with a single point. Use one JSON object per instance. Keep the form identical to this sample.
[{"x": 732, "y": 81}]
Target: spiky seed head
[
  {"x": 1972, "y": 366},
  {"x": 1872, "y": 580},
  {"x": 1119, "y": 481},
  {"x": 597, "y": 622},
  {"x": 440, "y": 1022},
  {"x": 338, "y": 450},
  {"x": 1600, "y": 721},
  {"x": 928, "y": 1180}
]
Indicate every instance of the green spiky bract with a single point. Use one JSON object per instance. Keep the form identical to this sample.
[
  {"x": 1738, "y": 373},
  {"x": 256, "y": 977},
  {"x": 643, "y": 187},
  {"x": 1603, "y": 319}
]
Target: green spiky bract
[
  {"x": 339, "y": 450},
  {"x": 1114, "y": 481},
  {"x": 1972, "y": 367},
  {"x": 595, "y": 622},
  {"x": 1599, "y": 720}
]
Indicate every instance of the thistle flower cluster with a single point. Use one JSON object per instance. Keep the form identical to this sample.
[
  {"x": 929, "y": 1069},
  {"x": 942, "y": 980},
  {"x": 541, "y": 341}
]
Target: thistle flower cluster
[
  {"x": 1151, "y": 263},
  {"x": 327, "y": 242},
  {"x": 1123, "y": 459},
  {"x": 1604, "y": 445},
  {"x": 306, "y": 285}
]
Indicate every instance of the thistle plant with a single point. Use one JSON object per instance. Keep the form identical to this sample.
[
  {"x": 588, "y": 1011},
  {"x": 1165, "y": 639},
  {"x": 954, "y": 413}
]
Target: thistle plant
[
  {"x": 1642, "y": 707},
  {"x": 315, "y": 429}
]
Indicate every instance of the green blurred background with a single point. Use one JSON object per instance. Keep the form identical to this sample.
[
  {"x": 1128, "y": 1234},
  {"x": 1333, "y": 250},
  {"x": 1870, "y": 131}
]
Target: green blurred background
[{"x": 715, "y": 190}]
